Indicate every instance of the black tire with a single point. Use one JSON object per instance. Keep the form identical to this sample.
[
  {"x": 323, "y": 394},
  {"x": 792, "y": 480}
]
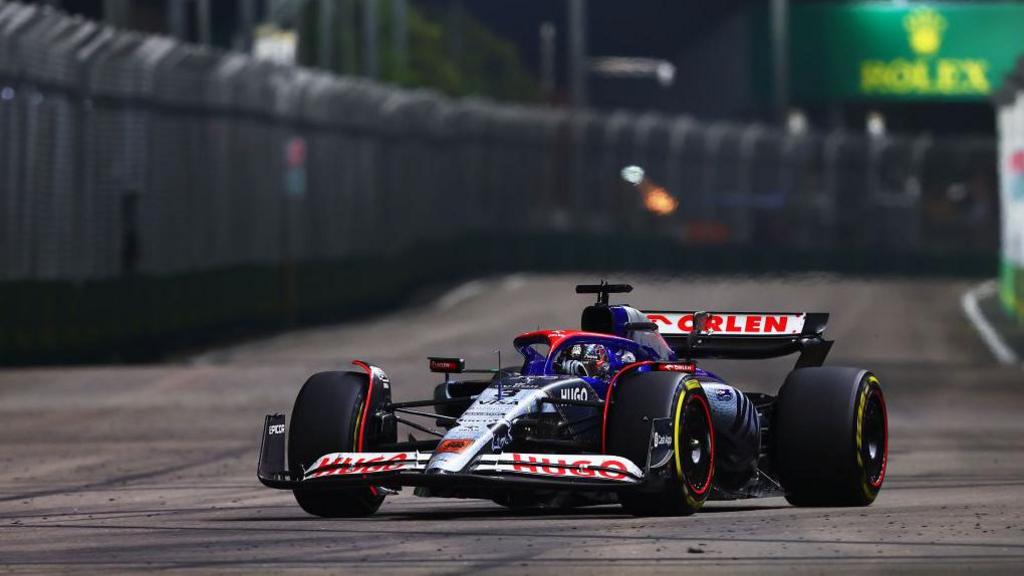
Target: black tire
[
  {"x": 325, "y": 419},
  {"x": 830, "y": 437},
  {"x": 682, "y": 484}
]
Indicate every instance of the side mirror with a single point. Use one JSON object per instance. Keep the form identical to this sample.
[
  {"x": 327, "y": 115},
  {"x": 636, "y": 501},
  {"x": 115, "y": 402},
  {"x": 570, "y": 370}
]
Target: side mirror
[
  {"x": 700, "y": 328},
  {"x": 700, "y": 322},
  {"x": 447, "y": 365}
]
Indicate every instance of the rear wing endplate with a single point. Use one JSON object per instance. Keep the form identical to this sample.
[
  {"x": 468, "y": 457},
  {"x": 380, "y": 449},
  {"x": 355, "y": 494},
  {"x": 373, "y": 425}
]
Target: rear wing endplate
[{"x": 746, "y": 335}]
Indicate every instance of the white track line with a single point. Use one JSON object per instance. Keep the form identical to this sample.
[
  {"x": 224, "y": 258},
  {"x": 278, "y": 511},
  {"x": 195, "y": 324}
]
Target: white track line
[
  {"x": 473, "y": 288},
  {"x": 1003, "y": 353},
  {"x": 460, "y": 294},
  {"x": 513, "y": 282}
]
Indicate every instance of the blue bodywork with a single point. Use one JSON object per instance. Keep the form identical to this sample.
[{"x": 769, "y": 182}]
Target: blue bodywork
[{"x": 625, "y": 346}]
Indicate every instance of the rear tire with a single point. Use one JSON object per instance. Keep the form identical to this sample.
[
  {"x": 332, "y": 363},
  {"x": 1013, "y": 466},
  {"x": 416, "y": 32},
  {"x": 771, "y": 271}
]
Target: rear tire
[
  {"x": 830, "y": 437},
  {"x": 325, "y": 419},
  {"x": 684, "y": 481}
]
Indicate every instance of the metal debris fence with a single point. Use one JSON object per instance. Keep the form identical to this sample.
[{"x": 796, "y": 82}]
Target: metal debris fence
[{"x": 131, "y": 159}]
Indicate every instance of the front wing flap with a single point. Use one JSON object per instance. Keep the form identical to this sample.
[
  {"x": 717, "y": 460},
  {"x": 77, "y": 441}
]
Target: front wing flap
[{"x": 375, "y": 467}]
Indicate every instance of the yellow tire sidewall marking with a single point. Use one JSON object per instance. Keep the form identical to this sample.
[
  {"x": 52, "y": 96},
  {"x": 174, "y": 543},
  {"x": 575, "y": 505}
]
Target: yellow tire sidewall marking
[
  {"x": 692, "y": 502},
  {"x": 355, "y": 434},
  {"x": 862, "y": 402}
]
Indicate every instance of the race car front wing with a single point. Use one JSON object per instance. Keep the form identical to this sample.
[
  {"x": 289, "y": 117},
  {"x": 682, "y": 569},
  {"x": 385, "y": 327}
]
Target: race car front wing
[{"x": 571, "y": 471}]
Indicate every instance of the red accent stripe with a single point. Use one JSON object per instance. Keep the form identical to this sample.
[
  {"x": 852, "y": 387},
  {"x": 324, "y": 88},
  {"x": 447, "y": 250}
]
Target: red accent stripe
[
  {"x": 366, "y": 410},
  {"x": 885, "y": 438},
  {"x": 366, "y": 407},
  {"x": 555, "y": 338},
  {"x": 608, "y": 401},
  {"x": 711, "y": 429}
]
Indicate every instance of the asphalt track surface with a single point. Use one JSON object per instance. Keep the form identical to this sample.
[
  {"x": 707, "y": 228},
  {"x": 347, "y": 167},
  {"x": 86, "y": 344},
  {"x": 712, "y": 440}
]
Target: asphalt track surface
[{"x": 153, "y": 467}]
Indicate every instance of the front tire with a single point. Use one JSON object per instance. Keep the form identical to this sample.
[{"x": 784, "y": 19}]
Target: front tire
[
  {"x": 326, "y": 419},
  {"x": 682, "y": 483},
  {"x": 830, "y": 437}
]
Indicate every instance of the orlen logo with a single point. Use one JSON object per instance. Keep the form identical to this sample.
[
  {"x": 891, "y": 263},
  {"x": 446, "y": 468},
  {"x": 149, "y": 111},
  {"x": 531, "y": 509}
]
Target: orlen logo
[
  {"x": 731, "y": 323},
  {"x": 582, "y": 467},
  {"x": 678, "y": 367}
]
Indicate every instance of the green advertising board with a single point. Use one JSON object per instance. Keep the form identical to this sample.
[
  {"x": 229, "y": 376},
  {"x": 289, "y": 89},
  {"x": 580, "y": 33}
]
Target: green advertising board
[{"x": 907, "y": 51}]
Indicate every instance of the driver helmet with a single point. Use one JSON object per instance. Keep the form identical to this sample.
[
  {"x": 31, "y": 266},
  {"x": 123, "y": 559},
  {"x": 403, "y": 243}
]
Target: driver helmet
[{"x": 587, "y": 360}]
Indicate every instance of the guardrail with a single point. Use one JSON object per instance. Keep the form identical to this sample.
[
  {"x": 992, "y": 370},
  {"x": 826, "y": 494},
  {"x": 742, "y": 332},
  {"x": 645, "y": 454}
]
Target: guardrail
[{"x": 154, "y": 192}]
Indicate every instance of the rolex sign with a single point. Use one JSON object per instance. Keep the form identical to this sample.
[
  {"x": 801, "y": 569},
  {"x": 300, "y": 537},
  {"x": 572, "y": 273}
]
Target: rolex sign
[{"x": 910, "y": 51}]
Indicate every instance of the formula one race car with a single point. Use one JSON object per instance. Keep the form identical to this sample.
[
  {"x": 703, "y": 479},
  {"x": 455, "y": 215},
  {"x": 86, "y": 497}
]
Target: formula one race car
[{"x": 616, "y": 412}]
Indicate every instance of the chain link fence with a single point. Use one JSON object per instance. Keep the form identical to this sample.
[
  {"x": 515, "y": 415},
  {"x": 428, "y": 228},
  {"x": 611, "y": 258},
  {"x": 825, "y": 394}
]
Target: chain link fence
[{"x": 191, "y": 189}]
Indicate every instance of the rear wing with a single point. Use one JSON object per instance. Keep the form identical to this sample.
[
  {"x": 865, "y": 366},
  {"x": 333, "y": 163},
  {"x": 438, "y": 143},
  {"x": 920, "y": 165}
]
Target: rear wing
[{"x": 746, "y": 335}]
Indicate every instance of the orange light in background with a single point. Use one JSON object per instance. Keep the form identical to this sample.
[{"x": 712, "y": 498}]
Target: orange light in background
[{"x": 658, "y": 200}]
